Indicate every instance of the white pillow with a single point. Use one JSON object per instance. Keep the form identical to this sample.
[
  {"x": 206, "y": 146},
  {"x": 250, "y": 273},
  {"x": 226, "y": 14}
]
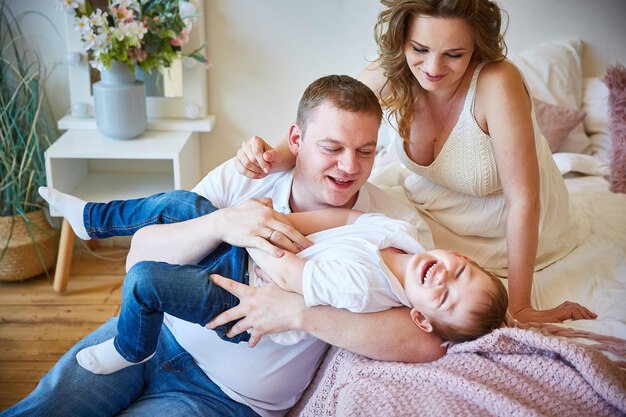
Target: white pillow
[
  {"x": 601, "y": 146},
  {"x": 553, "y": 72},
  {"x": 596, "y": 105},
  {"x": 584, "y": 164}
]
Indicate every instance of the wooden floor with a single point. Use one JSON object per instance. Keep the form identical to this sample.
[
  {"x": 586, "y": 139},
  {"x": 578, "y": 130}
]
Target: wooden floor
[{"x": 37, "y": 325}]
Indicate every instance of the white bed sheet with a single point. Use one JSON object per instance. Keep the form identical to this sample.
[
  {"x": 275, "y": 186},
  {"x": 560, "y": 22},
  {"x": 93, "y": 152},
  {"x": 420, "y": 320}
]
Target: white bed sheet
[{"x": 593, "y": 274}]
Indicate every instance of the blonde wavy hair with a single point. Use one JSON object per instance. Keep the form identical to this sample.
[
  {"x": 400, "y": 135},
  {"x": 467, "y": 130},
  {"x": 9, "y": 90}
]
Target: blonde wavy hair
[{"x": 483, "y": 16}]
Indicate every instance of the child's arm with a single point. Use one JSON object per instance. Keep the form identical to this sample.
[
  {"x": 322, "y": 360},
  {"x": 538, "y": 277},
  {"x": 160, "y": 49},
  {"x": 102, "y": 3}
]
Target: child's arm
[
  {"x": 286, "y": 271},
  {"x": 309, "y": 222}
]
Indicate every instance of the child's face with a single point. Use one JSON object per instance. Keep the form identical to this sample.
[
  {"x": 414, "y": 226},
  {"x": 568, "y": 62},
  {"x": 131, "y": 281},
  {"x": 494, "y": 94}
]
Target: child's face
[{"x": 443, "y": 285}]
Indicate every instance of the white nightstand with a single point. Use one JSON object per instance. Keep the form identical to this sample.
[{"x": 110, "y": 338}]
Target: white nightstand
[{"x": 90, "y": 166}]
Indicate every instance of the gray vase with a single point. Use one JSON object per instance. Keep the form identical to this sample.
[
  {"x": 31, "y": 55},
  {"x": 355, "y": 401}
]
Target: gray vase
[{"x": 120, "y": 103}]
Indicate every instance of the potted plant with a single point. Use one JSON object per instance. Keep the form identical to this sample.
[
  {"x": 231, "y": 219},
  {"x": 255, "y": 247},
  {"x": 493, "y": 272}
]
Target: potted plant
[{"x": 28, "y": 244}]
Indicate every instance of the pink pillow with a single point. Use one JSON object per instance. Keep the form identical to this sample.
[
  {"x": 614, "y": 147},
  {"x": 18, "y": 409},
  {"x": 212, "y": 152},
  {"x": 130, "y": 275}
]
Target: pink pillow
[
  {"x": 615, "y": 79},
  {"x": 554, "y": 74},
  {"x": 556, "y": 122}
]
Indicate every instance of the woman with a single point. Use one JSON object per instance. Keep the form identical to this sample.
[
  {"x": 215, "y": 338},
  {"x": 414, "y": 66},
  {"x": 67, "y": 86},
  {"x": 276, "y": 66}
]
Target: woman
[{"x": 483, "y": 175}]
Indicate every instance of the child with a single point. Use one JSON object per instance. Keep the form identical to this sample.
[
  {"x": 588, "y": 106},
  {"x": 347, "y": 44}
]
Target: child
[{"x": 371, "y": 263}]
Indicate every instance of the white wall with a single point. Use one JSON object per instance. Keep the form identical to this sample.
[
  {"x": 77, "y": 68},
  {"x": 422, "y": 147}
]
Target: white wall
[
  {"x": 266, "y": 52},
  {"x": 601, "y": 24},
  {"x": 44, "y": 28}
]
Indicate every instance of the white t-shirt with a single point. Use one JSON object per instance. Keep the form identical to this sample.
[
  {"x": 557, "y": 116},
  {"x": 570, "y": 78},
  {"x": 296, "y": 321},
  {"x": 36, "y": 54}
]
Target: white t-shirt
[
  {"x": 344, "y": 268},
  {"x": 271, "y": 377}
]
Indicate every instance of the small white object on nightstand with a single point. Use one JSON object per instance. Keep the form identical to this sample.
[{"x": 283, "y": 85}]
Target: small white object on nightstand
[
  {"x": 192, "y": 111},
  {"x": 80, "y": 109}
]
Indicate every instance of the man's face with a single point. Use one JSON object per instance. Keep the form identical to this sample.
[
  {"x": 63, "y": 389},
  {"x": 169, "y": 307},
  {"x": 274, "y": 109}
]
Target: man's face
[{"x": 334, "y": 158}]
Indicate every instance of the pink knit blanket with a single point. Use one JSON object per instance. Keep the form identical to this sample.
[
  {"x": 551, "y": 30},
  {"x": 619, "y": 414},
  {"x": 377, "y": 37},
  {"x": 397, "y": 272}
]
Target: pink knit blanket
[{"x": 510, "y": 372}]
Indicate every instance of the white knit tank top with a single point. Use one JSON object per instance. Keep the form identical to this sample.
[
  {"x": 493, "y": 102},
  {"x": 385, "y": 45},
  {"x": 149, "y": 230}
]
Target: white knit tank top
[
  {"x": 466, "y": 163},
  {"x": 460, "y": 195}
]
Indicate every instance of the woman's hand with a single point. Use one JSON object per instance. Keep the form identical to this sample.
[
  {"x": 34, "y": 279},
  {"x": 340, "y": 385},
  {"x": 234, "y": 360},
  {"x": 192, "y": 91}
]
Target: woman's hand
[
  {"x": 566, "y": 311},
  {"x": 255, "y": 224},
  {"x": 266, "y": 309},
  {"x": 256, "y": 158}
]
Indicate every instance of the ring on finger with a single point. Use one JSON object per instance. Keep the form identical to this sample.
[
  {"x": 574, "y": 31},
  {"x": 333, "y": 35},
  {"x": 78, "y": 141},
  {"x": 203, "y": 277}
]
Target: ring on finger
[{"x": 269, "y": 237}]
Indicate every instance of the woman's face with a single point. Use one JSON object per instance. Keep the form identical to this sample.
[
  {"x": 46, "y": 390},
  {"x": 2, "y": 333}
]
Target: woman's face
[{"x": 438, "y": 50}]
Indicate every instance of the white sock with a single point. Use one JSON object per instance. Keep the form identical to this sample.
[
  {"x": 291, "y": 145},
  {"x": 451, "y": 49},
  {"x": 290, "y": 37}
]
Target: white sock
[
  {"x": 69, "y": 206},
  {"x": 103, "y": 359}
]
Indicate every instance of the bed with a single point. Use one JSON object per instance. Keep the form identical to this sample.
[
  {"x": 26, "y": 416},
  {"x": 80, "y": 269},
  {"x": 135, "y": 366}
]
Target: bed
[{"x": 516, "y": 371}]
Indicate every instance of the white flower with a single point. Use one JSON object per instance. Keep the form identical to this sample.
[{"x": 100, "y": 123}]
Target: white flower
[
  {"x": 119, "y": 33},
  {"x": 137, "y": 29},
  {"x": 132, "y": 31},
  {"x": 67, "y": 6},
  {"x": 95, "y": 63},
  {"x": 98, "y": 18},
  {"x": 104, "y": 39},
  {"x": 102, "y": 44},
  {"x": 89, "y": 40},
  {"x": 82, "y": 25}
]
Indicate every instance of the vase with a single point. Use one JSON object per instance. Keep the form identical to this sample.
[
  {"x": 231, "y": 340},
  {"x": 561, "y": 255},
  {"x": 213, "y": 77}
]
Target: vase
[
  {"x": 26, "y": 249},
  {"x": 120, "y": 103}
]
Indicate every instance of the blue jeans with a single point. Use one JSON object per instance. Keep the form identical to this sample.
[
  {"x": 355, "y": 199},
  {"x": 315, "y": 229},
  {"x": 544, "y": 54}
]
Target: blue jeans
[
  {"x": 169, "y": 384},
  {"x": 152, "y": 288},
  {"x": 125, "y": 217},
  {"x": 185, "y": 291}
]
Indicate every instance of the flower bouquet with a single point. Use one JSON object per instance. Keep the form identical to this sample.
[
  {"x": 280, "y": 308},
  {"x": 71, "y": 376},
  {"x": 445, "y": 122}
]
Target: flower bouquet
[
  {"x": 145, "y": 33},
  {"x": 121, "y": 36}
]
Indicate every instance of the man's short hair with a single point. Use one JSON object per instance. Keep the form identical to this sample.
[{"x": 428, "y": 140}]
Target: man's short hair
[{"x": 342, "y": 92}]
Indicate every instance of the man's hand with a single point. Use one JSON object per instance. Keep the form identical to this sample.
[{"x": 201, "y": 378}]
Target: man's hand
[
  {"x": 565, "y": 311},
  {"x": 256, "y": 159},
  {"x": 255, "y": 224},
  {"x": 266, "y": 309}
]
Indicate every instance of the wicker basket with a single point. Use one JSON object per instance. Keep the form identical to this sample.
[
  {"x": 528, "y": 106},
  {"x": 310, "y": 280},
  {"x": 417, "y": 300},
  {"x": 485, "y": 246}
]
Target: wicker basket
[{"x": 21, "y": 259}]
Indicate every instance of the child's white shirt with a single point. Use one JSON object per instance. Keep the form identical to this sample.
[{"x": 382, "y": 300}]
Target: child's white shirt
[{"x": 345, "y": 268}]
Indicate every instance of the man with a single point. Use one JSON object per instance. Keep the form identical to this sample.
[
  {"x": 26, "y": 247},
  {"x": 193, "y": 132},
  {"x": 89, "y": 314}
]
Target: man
[{"x": 194, "y": 372}]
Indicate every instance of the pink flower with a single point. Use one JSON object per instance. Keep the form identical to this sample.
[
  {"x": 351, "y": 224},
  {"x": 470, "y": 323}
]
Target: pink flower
[
  {"x": 122, "y": 13},
  {"x": 181, "y": 39},
  {"x": 183, "y": 36}
]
